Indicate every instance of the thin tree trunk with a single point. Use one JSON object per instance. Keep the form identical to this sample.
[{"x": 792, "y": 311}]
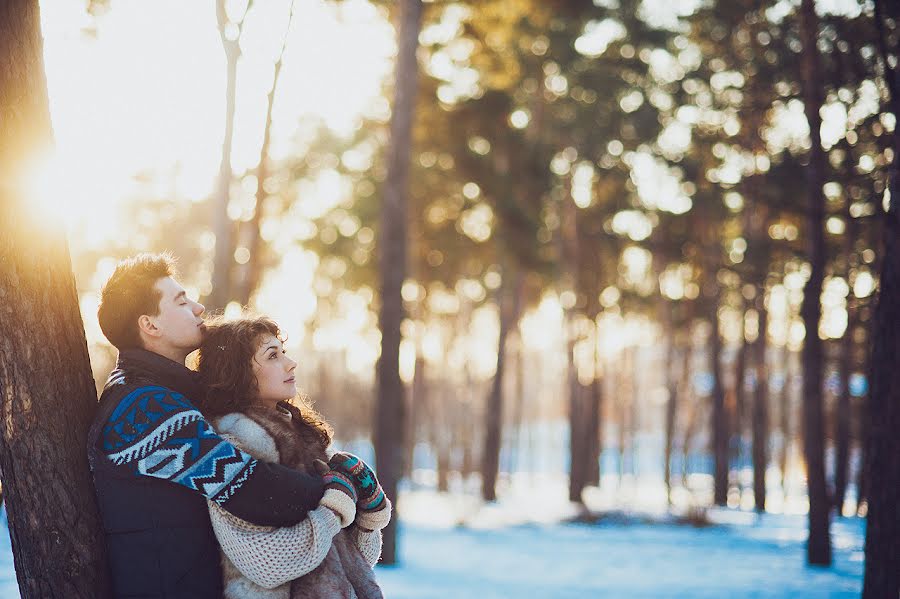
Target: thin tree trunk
[
  {"x": 252, "y": 271},
  {"x": 818, "y": 548},
  {"x": 790, "y": 368},
  {"x": 418, "y": 404},
  {"x": 595, "y": 439},
  {"x": 223, "y": 226},
  {"x": 47, "y": 393},
  {"x": 845, "y": 366},
  {"x": 761, "y": 407},
  {"x": 882, "y": 573},
  {"x": 719, "y": 422},
  {"x": 671, "y": 410},
  {"x": 510, "y": 293},
  {"x": 518, "y": 416},
  {"x": 389, "y": 417}
]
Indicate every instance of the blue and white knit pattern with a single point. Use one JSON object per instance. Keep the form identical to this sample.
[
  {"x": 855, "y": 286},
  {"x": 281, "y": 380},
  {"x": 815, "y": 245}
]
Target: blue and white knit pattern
[{"x": 156, "y": 432}]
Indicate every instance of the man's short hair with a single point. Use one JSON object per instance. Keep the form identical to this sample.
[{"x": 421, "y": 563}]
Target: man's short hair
[{"x": 130, "y": 292}]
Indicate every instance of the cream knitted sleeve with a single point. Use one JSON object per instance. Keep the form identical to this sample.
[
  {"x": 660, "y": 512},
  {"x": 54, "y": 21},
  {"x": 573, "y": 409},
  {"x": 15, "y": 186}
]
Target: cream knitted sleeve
[
  {"x": 369, "y": 544},
  {"x": 272, "y": 556}
]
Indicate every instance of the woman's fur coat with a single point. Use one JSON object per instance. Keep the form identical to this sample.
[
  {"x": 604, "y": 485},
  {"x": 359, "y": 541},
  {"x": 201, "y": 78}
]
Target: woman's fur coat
[{"x": 282, "y": 436}]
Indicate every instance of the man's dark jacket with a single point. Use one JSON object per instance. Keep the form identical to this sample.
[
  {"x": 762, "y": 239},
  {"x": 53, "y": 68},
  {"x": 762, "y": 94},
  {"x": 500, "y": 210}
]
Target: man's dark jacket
[{"x": 156, "y": 462}]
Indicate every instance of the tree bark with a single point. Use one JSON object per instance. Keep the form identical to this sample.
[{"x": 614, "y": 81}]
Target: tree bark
[
  {"x": 389, "y": 417},
  {"x": 882, "y": 573},
  {"x": 47, "y": 394},
  {"x": 818, "y": 548}
]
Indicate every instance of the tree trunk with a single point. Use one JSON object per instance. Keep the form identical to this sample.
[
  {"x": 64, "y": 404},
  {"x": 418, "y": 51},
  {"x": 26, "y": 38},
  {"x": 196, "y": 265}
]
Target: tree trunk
[
  {"x": 389, "y": 418},
  {"x": 882, "y": 574},
  {"x": 252, "y": 271},
  {"x": 493, "y": 433},
  {"x": 418, "y": 404},
  {"x": 47, "y": 394},
  {"x": 761, "y": 407},
  {"x": 671, "y": 410},
  {"x": 719, "y": 422},
  {"x": 845, "y": 367},
  {"x": 818, "y": 548},
  {"x": 595, "y": 405},
  {"x": 223, "y": 226}
]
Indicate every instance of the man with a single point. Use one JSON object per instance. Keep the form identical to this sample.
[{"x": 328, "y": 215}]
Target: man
[{"x": 155, "y": 459}]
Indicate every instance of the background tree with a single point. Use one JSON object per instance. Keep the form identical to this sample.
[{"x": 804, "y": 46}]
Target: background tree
[
  {"x": 819, "y": 544},
  {"x": 389, "y": 416},
  {"x": 882, "y": 576}
]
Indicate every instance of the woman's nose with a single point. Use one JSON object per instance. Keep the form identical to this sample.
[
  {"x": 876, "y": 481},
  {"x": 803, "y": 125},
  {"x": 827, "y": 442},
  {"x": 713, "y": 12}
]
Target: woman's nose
[{"x": 199, "y": 308}]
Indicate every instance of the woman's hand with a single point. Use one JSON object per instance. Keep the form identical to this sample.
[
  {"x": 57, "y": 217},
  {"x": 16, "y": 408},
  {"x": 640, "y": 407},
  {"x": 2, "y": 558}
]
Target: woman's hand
[
  {"x": 370, "y": 493},
  {"x": 340, "y": 495}
]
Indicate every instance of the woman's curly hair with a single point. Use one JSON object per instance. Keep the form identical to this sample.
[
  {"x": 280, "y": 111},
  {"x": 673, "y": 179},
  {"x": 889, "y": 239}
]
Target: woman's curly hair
[{"x": 225, "y": 366}]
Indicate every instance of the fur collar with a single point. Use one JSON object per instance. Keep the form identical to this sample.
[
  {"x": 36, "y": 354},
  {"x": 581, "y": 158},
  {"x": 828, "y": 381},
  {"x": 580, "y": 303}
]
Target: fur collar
[{"x": 244, "y": 432}]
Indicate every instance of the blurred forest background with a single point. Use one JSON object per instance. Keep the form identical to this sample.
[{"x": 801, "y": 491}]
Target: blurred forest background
[{"x": 636, "y": 246}]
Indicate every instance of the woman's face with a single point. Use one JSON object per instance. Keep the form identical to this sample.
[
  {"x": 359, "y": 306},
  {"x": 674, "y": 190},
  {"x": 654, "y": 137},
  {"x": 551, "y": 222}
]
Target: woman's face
[{"x": 274, "y": 371}]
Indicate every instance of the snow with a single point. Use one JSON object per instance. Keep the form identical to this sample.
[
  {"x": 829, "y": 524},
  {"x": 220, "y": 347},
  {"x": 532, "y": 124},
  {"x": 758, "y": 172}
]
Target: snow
[{"x": 526, "y": 545}]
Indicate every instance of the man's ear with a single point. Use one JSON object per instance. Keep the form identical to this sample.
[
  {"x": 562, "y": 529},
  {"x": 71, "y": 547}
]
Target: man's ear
[{"x": 147, "y": 326}]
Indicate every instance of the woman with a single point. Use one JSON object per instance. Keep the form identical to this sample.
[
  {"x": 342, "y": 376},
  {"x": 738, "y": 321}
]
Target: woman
[{"x": 250, "y": 385}]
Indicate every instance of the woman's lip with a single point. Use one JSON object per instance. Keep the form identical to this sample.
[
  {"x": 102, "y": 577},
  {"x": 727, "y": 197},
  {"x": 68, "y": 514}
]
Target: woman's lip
[{"x": 290, "y": 380}]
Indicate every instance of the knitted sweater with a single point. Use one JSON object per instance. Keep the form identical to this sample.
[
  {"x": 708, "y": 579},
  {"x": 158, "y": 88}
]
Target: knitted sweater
[{"x": 325, "y": 556}]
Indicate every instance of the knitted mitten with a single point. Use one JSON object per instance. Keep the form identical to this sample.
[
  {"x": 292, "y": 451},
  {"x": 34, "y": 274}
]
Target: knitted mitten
[
  {"x": 340, "y": 493},
  {"x": 373, "y": 508}
]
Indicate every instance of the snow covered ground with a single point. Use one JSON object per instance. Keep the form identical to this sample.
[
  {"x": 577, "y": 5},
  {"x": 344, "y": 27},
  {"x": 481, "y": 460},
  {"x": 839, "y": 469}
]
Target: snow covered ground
[{"x": 453, "y": 546}]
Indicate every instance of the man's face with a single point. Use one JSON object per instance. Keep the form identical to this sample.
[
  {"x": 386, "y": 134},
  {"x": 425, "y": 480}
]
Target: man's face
[{"x": 178, "y": 321}]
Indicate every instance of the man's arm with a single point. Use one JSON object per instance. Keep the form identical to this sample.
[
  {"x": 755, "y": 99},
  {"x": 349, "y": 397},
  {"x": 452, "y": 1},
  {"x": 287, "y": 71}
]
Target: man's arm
[{"x": 157, "y": 432}]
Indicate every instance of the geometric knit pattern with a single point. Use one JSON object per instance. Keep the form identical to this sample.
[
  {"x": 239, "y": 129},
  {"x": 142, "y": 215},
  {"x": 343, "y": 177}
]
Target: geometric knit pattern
[{"x": 156, "y": 432}]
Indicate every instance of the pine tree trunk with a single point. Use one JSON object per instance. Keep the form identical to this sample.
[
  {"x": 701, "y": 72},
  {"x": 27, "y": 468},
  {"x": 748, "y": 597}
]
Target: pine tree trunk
[
  {"x": 818, "y": 548},
  {"x": 671, "y": 410},
  {"x": 882, "y": 574},
  {"x": 223, "y": 226},
  {"x": 389, "y": 417},
  {"x": 493, "y": 434},
  {"x": 719, "y": 421},
  {"x": 252, "y": 271},
  {"x": 785, "y": 414},
  {"x": 845, "y": 366},
  {"x": 47, "y": 394},
  {"x": 595, "y": 405},
  {"x": 761, "y": 408}
]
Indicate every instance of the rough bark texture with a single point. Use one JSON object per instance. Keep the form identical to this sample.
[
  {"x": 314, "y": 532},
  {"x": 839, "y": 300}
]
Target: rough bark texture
[
  {"x": 47, "y": 395},
  {"x": 389, "y": 407},
  {"x": 818, "y": 547},
  {"x": 882, "y": 575}
]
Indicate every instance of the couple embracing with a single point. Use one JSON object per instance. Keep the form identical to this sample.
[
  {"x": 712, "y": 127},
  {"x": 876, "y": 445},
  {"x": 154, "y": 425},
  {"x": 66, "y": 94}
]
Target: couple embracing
[{"x": 219, "y": 482}]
